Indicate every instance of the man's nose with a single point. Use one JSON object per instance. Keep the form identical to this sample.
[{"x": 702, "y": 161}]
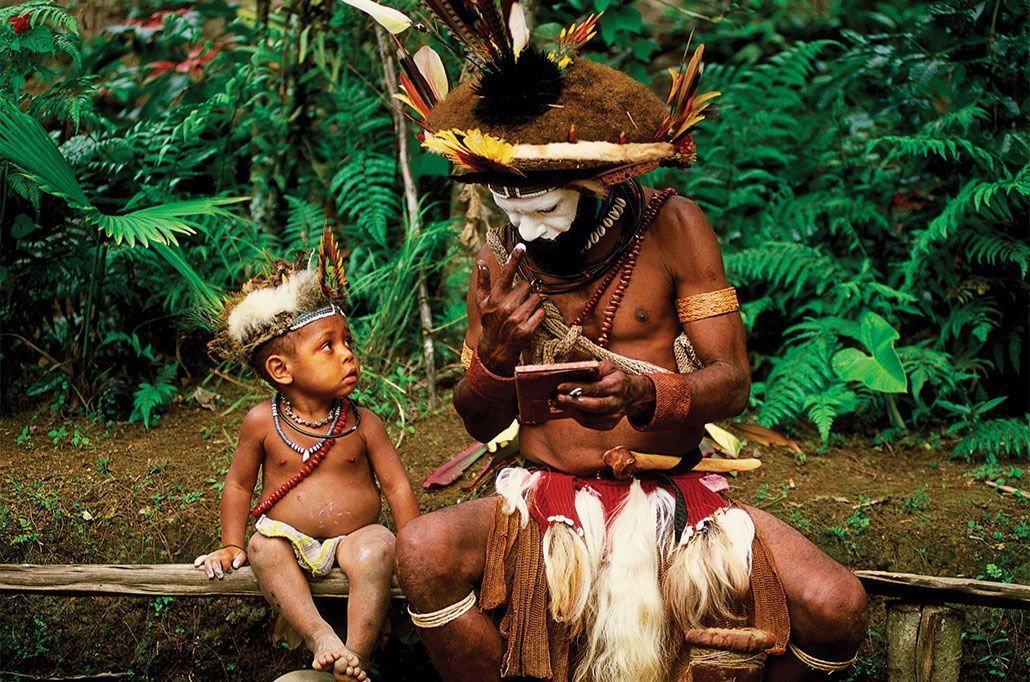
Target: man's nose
[{"x": 530, "y": 229}]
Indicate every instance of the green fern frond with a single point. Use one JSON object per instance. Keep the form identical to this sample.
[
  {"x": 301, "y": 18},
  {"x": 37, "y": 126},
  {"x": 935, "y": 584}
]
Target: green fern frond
[
  {"x": 159, "y": 224},
  {"x": 824, "y": 407},
  {"x": 782, "y": 265},
  {"x": 802, "y": 372},
  {"x": 41, "y": 13},
  {"x": 947, "y": 148},
  {"x": 364, "y": 189},
  {"x": 997, "y": 250},
  {"x": 996, "y": 438}
]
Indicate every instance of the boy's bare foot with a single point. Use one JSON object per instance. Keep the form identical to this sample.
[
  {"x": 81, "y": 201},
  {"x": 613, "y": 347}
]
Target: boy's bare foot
[
  {"x": 349, "y": 668},
  {"x": 331, "y": 655}
]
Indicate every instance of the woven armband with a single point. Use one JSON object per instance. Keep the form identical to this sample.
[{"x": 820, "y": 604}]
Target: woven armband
[
  {"x": 672, "y": 399},
  {"x": 710, "y": 304},
  {"x": 486, "y": 384},
  {"x": 466, "y": 356}
]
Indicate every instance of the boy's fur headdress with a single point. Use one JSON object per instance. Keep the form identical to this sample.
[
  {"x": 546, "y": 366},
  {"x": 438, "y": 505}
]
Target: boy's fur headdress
[{"x": 284, "y": 299}]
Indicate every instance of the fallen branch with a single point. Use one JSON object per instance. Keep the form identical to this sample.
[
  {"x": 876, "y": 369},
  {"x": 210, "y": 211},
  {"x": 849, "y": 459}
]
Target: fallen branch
[{"x": 1009, "y": 489}]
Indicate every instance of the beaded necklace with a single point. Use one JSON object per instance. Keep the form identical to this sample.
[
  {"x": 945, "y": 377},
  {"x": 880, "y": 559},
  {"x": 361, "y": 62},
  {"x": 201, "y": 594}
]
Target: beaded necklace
[
  {"x": 287, "y": 409},
  {"x": 304, "y": 452},
  {"x": 625, "y": 266}
]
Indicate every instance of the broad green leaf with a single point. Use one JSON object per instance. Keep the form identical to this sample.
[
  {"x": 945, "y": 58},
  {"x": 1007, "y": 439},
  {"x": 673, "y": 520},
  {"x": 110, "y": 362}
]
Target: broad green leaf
[{"x": 882, "y": 371}]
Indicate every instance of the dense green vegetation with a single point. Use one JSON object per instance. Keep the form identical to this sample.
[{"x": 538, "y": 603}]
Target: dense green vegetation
[{"x": 867, "y": 174}]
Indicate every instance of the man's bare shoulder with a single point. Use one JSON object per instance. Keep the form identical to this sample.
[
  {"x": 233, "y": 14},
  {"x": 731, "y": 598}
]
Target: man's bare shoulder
[
  {"x": 687, "y": 243},
  {"x": 682, "y": 225}
]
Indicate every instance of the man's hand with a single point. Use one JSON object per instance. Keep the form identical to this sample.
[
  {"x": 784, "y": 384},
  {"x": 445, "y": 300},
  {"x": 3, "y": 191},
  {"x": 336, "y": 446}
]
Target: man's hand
[
  {"x": 221, "y": 561},
  {"x": 602, "y": 404},
  {"x": 509, "y": 315}
]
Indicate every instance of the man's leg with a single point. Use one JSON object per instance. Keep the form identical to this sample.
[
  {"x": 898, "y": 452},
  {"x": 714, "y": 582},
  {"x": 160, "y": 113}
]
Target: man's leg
[
  {"x": 286, "y": 588},
  {"x": 367, "y": 557},
  {"x": 440, "y": 558},
  {"x": 826, "y": 602}
]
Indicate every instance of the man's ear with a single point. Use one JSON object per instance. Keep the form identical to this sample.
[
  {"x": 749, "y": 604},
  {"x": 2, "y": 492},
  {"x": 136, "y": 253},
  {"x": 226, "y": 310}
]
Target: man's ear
[{"x": 278, "y": 369}]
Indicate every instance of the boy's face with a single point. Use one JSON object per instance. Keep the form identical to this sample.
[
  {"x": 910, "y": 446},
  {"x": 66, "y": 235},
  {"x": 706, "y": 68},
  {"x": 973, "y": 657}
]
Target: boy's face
[{"x": 322, "y": 363}]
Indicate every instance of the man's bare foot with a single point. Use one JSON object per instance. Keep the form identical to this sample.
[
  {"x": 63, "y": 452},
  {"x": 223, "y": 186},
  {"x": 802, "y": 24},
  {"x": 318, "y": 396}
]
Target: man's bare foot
[{"x": 349, "y": 668}]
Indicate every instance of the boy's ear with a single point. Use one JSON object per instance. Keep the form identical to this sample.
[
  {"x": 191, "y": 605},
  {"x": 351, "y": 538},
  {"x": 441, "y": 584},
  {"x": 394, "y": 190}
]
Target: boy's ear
[{"x": 278, "y": 369}]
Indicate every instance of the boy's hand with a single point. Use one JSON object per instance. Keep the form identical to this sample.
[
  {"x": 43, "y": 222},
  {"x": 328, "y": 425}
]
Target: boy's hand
[{"x": 221, "y": 561}]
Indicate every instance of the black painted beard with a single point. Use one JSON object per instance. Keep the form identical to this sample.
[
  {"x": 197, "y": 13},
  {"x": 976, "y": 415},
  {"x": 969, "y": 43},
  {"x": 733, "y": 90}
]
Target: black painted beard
[{"x": 562, "y": 255}]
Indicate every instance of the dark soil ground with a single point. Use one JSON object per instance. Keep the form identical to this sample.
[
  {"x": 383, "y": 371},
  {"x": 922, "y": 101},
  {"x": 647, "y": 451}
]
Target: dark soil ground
[{"x": 82, "y": 492}]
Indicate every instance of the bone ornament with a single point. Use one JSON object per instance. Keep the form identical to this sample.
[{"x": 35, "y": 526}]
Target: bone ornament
[{"x": 625, "y": 462}]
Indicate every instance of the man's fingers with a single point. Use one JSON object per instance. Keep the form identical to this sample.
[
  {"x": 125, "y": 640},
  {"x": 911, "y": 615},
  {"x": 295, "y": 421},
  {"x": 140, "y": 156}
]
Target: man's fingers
[
  {"x": 606, "y": 367},
  {"x": 482, "y": 282},
  {"x": 601, "y": 387},
  {"x": 510, "y": 267},
  {"x": 590, "y": 405},
  {"x": 529, "y": 306},
  {"x": 240, "y": 559},
  {"x": 535, "y": 320}
]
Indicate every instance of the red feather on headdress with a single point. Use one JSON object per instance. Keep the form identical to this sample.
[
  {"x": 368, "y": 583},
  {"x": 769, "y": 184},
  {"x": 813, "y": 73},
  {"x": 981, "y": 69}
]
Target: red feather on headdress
[{"x": 330, "y": 267}]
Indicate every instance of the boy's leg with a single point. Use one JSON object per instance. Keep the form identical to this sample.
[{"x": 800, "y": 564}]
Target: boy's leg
[
  {"x": 367, "y": 557},
  {"x": 440, "y": 558},
  {"x": 285, "y": 586},
  {"x": 826, "y": 602}
]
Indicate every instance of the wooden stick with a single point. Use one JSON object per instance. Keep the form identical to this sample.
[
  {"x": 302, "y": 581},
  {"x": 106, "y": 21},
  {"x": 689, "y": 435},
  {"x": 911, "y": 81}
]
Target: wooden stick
[{"x": 1008, "y": 489}]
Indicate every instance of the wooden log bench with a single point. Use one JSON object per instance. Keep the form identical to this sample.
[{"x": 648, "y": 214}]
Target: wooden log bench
[{"x": 923, "y": 632}]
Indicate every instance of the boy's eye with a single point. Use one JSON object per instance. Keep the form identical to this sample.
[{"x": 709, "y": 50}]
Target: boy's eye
[{"x": 327, "y": 345}]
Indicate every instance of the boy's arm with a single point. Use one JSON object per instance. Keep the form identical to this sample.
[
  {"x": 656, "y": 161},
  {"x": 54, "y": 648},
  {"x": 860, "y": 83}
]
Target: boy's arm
[
  {"x": 386, "y": 464},
  {"x": 236, "y": 495}
]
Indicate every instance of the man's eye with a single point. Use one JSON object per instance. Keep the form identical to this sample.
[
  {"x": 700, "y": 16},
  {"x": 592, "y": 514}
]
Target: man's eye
[{"x": 548, "y": 210}]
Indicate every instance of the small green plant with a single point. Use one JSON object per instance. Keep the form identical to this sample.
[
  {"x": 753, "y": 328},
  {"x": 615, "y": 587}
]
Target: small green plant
[
  {"x": 56, "y": 435},
  {"x": 149, "y": 399},
  {"x": 25, "y": 437},
  {"x": 161, "y": 603},
  {"x": 104, "y": 465},
  {"x": 79, "y": 438},
  {"x": 917, "y": 501}
]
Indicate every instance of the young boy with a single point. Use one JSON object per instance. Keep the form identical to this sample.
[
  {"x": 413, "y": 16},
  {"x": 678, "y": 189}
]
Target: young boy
[{"x": 320, "y": 457}]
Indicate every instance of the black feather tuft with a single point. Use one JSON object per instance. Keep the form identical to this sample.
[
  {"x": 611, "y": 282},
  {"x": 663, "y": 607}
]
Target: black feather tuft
[{"x": 513, "y": 92}]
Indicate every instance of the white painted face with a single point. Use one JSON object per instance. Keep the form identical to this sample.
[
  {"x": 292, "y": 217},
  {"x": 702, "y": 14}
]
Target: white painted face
[{"x": 546, "y": 216}]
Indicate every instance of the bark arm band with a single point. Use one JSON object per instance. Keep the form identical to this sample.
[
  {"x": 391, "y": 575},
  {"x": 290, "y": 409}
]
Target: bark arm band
[
  {"x": 466, "y": 356},
  {"x": 673, "y": 397},
  {"x": 709, "y": 304},
  {"x": 486, "y": 384}
]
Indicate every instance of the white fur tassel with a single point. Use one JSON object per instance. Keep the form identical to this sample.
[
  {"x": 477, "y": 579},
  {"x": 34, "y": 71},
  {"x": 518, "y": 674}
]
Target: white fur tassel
[
  {"x": 710, "y": 571},
  {"x": 514, "y": 484},
  {"x": 569, "y": 577},
  {"x": 628, "y": 636},
  {"x": 262, "y": 306}
]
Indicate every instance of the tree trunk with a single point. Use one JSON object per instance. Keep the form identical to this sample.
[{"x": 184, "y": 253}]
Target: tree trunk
[{"x": 425, "y": 313}]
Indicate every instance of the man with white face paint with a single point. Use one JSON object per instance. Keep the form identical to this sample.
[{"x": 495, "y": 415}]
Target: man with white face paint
[{"x": 610, "y": 555}]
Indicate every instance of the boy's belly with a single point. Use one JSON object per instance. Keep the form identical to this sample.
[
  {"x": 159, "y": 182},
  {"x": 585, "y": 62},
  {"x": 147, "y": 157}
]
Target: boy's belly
[{"x": 325, "y": 511}]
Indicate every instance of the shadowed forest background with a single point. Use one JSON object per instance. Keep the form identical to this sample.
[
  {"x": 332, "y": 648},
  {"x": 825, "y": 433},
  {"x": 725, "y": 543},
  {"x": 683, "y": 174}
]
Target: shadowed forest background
[{"x": 867, "y": 174}]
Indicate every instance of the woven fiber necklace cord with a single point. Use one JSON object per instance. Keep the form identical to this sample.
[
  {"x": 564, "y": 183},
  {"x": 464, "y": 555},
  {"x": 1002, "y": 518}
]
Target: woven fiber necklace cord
[{"x": 625, "y": 266}]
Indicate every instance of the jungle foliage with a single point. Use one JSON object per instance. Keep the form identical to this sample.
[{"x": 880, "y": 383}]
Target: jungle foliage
[{"x": 867, "y": 174}]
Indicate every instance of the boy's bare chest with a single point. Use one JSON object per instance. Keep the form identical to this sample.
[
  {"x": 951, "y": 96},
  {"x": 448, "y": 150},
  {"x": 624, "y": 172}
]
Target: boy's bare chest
[{"x": 346, "y": 455}]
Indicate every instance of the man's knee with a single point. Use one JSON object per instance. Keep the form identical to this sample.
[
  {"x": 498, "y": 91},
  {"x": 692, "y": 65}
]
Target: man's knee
[
  {"x": 425, "y": 554},
  {"x": 833, "y": 612}
]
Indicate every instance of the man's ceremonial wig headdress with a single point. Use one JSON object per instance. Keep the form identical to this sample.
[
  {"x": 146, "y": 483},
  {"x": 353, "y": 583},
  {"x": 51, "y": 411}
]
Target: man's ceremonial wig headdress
[
  {"x": 281, "y": 300},
  {"x": 528, "y": 120}
]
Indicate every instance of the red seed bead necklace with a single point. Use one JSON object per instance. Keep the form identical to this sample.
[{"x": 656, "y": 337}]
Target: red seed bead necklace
[{"x": 625, "y": 266}]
